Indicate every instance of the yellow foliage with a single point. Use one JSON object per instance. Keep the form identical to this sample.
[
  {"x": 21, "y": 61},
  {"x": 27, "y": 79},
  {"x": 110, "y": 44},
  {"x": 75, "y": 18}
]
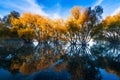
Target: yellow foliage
[
  {"x": 76, "y": 12},
  {"x": 26, "y": 33},
  {"x": 43, "y": 27},
  {"x": 115, "y": 19},
  {"x": 83, "y": 17},
  {"x": 71, "y": 24},
  {"x": 59, "y": 25}
]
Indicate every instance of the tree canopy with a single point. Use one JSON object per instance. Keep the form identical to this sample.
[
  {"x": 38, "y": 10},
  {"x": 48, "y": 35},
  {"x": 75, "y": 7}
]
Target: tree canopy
[{"x": 81, "y": 26}]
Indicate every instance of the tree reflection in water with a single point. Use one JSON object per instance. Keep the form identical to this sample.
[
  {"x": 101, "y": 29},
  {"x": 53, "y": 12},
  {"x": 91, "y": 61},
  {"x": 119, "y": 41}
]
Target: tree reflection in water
[{"x": 76, "y": 62}]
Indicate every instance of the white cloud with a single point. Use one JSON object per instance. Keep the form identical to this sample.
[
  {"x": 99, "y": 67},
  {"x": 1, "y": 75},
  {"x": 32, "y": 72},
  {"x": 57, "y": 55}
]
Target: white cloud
[
  {"x": 97, "y": 3},
  {"x": 24, "y": 6},
  {"x": 30, "y": 6},
  {"x": 116, "y": 11},
  {"x": 1, "y": 16},
  {"x": 54, "y": 11},
  {"x": 34, "y": 8},
  {"x": 56, "y": 16}
]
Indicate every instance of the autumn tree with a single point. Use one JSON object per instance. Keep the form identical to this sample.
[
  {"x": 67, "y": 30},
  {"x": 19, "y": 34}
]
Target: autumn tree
[
  {"x": 59, "y": 30},
  {"x": 32, "y": 26},
  {"x": 7, "y": 19},
  {"x": 82, "y": 24},
  {"x": 24, "y": 26},
  {"x": 5, "y": 24},
  {"x": 111, "y": 26},
  {"x": 4, "y": 31}
]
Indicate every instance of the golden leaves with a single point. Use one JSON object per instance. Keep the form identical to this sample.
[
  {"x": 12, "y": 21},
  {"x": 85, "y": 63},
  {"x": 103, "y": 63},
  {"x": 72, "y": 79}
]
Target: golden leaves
[
  {"x": 111, "y": 21},
  {"x": 59, "y": 25},
  {"x": 76, "y": 12},
  {"x": 27, "y": 32}
]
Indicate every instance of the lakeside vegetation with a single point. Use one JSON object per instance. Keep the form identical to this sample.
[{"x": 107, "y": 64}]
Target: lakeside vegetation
[{"x": 79, "y": 28}]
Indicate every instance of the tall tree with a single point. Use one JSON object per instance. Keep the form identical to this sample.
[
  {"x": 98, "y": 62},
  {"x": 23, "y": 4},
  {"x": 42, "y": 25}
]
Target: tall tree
[
  {"x": 111, "y": 25},
  {"x": 32, "y": 26},
  {"x": 7, "y": 19},
  {"x": 83, "y": 22}
]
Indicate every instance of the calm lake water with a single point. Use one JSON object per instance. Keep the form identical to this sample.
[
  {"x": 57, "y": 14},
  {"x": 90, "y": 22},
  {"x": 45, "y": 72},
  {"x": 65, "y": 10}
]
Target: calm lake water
[{"x": 49, "y": 61}]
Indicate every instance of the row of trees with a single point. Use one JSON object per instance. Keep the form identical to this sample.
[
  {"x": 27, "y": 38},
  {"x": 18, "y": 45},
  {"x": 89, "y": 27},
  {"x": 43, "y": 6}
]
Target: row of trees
[{"x": 82, "y": 26}]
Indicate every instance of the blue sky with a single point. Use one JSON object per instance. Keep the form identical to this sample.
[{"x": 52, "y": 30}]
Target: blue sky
[{"x": 56, "y": 8}]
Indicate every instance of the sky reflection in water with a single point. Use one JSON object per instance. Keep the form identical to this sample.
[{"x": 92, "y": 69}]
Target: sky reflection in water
[{"x": 54, "y": 62}]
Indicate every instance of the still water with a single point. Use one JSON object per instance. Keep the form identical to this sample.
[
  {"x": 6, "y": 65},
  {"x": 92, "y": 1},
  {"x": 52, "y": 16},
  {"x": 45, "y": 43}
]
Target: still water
[{"x": 50, "y": 61}]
